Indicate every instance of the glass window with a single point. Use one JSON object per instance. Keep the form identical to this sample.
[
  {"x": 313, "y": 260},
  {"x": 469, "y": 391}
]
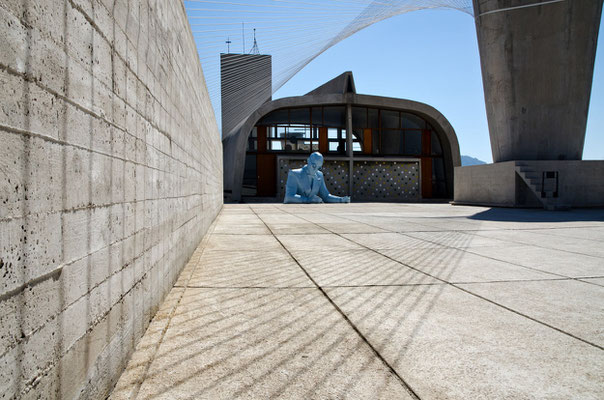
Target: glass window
[
  {"x": 252, "y": 140},
  {"x": 332, "y": 133},
  {"x": 372, "y": 118},
  {"x": 357, "y": 134},
  {"x": 437, "y": 149},
  {"x": 317, "y": 115},
  {"x": 252, "y": 144},
  {"x": 390, "y": 119},
  {"x": 375, "y": 139},
  {"x": 438, "y": 169},
  {"x": 392, "y": 142},
  {"x": 412, "y": 121},
  {"x": 276, "y": 145},
  {"x": 299, "y": 116},
  {"x": 333, "y": 146},
  {"x": 299, "y": 131},
  {"x": 334, "y": 116},
  {"x": 413, "y": 142},
  {"x": 359, "y": 117},
  {"x": 280, "y": 132},
  {"x": 356, "y": 146},
  {"x": 275, "y": 117}
]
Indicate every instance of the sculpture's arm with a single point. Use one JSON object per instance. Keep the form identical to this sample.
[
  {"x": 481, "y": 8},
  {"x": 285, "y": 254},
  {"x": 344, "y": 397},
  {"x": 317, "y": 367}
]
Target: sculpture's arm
[
  {"x": 291, "y": 192},
  {"x": 330, "y": 198}
]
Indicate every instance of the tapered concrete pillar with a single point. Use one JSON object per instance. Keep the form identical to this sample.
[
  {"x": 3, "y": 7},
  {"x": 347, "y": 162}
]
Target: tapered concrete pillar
[{"x": 537, "y": 67}]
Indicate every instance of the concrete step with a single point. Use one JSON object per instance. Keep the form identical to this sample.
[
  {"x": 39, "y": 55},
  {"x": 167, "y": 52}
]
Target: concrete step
[{"x": 534, "y": 180}]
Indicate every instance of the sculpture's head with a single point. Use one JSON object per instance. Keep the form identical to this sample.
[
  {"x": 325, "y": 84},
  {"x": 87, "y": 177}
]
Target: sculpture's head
[{"x": 314, "y": 162}]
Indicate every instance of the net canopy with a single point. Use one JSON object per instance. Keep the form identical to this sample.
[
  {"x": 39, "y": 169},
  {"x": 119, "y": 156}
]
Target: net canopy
[{"x": 293, "y": 32}]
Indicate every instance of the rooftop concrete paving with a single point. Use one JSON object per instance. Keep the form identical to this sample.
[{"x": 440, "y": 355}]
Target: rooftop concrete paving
[{"x": 382, "y": 301}]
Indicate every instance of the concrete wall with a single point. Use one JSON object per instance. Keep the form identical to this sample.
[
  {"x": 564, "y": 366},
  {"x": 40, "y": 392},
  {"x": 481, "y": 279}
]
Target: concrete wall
[
  {"x": 492, "y": 184},
  {"x": 580, "y": 183},
  {"x": 110, "y": 174}
]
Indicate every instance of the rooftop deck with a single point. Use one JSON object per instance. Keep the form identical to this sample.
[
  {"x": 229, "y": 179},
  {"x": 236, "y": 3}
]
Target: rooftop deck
[{"x": 382, "y": 301}]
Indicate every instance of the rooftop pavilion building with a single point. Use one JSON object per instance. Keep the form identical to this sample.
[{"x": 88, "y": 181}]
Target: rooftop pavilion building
[{"x": 399, "y": 150}]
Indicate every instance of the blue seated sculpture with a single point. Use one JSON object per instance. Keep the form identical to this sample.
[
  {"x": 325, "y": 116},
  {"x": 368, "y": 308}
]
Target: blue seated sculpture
[{"x": 307, "y": 185}]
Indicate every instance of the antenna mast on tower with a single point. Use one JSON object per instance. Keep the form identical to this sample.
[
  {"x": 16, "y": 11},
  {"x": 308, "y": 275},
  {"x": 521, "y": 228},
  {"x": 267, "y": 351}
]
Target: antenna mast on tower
[{"x": 255, "y": 49}]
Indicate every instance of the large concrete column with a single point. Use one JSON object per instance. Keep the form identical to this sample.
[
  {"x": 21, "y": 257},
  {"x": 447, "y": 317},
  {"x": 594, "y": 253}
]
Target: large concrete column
[{"x": 537, "y": 67}]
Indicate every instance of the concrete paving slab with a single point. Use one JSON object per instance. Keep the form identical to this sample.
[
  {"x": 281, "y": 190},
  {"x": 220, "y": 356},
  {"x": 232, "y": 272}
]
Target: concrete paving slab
[
  {"x": 390, "y": 241},
  {"x": 388, "y": 223},
  {"x": 571, "y": 306},
  {"x": 548, "y": 260},
  {"x": 357, "y": 267},
  {"x": 248, "y": 269},
  {"x": 289, "y": 344},
  {"x": 350, "y": 227},
  {"x": 318, "y": 242},
  {"x": 594, "y": 281},
  {"x": 243, "y": 242},
  {"x": 230, "y": 228},
  {"x": 135, "y": 372},
  {"x": 238, "y": 219},
  {"x": 250, "y": 324},
  {"x": 453, "y": 265},
  {"x": 448, "y": 344},
  {"x": 590, "y": 233},
  {"x": 456, "y": 239},
  {"x": 303, "y": 228},
  {"x": 542, "y": 239}
]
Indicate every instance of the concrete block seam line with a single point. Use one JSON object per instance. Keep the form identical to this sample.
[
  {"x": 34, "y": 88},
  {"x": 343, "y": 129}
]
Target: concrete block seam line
[
  {"x": 27, "y": 77},
  {"x": 203, "y": 243},
  {"x": 401, "y": 380},
  {"x": 56, "y": 273},
  {"x": 463, "y": 289},
  {"x": 92, "y": 113},
  {"x": 51, "y": 364},
  {"x": 99, "y": 206}
]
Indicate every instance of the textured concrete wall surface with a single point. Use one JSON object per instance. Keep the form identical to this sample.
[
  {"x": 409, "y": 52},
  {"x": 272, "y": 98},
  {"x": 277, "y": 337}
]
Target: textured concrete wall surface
[
  {"x": 537, "y": 69},
  {"x": 580, "y": 183},
  {"x": 110, "y": 175}
]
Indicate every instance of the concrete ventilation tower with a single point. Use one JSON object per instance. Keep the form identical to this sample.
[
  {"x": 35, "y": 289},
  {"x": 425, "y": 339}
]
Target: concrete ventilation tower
[
  {"x": 537, "y": 62},
  {"x": 245, "y": 84}
]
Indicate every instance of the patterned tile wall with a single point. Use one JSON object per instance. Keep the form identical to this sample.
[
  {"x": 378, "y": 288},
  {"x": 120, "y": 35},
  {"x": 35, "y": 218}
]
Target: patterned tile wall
[
  {"x": 372, "y": 180},
  {"x": 386, "y": 181}
]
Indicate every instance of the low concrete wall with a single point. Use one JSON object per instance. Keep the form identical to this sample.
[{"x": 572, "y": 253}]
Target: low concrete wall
[
  {"x": 580, "y": 184},
  {"x": 110, "y": 174},
  {"x": 486, "y": 184}
]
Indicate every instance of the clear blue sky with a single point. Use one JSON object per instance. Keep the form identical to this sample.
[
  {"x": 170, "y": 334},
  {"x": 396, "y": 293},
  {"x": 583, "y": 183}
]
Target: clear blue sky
[{"x": 431, "y": 56}]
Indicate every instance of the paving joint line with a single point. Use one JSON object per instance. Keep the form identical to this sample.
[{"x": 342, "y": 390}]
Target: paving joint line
[
  {"x": 461, "y": 248},
  {"x": 345, "y": 317},
  {"x": 471, "y": 293}
]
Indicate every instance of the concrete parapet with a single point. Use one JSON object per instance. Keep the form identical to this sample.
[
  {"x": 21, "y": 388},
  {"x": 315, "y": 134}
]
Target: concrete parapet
[
  {"x": 110, "y": 175},
  {"x": 576, "y": 184}
]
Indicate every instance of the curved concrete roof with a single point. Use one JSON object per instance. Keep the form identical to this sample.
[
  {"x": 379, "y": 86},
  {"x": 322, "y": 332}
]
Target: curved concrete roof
[{"x": 234, "y": 147}]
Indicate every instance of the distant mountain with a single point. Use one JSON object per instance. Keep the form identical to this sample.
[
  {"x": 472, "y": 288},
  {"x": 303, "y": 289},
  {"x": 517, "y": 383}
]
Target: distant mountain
[{"x": 467, "y": 160}]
